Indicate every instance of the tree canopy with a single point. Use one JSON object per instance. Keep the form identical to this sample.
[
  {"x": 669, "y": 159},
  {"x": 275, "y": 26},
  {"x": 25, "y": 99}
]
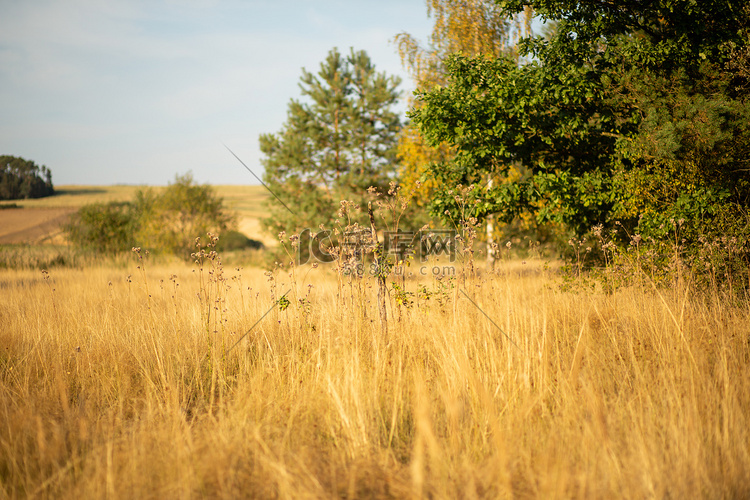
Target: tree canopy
[
  {"x": 631, "y": 111},
  {"x": 338, "y": 140},
  {"x": 20, "y": 178},
  {"x": 473, "y": 28}
]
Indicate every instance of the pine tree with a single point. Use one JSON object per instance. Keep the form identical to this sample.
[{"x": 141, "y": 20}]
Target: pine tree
[
  {"x": 338, "y": 140},
  {"x": 20, "y": 179}
]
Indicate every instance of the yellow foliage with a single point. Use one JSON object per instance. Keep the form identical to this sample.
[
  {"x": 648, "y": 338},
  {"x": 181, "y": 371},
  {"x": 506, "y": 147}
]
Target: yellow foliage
[
  {"x": 472, "y": 27},
  {"x": 415, "y": 156}
]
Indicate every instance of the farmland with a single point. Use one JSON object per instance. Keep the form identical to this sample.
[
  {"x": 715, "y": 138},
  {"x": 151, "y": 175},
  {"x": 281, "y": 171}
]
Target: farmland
[{"x": 40, "y": 221}]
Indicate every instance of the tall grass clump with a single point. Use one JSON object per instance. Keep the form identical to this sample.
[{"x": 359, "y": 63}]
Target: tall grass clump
[{"x": 200, "y": 380}]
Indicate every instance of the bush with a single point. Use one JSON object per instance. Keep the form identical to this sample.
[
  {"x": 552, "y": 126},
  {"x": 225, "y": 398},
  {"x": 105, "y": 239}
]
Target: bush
[
  {"x": 165, "y": 222},
  {"x": 235, "y": 240},
  {"x": 172, "y": 220},
  {"x": 103, "y": 227}
]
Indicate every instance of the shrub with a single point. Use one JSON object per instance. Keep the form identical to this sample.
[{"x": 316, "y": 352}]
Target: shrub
[
  {"x": 170, "y": 221},
  {"x": 103, "y": 227},
  {"x": 164, "y": 222},
  {"x": 235, "y": 240}
]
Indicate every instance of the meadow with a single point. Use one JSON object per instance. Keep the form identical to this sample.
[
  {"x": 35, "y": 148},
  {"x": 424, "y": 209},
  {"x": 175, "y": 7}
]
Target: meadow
[{"x": 177, "y": 380}]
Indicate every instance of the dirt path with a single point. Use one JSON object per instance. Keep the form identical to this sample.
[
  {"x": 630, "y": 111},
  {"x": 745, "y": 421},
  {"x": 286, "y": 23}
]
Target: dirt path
[{"x": 33, "y": 225}]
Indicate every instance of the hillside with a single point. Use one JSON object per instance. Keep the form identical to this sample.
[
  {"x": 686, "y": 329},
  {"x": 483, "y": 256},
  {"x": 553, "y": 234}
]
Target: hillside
[{"x": 40, "y": 221}]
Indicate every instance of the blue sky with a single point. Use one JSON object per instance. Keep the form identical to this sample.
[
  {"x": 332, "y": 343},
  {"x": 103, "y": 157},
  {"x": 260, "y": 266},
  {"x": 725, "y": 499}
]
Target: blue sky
[{"x": 106, "y": 92}]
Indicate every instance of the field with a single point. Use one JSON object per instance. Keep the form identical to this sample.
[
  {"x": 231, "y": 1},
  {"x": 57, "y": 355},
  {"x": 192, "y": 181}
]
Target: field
[
  {"x": 133, "y": 378},
  {"x": 181, "y": 381},
  {"x": 33, "y": 225},
  {"x": 40, "y": 220}
]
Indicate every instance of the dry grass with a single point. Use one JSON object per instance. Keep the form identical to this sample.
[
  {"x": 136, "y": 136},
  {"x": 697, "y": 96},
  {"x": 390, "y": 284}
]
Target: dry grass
[
  {"x": 33, "y": 225},
  {"x": 111, "y": 388},
  {"x": 75, "y": 196},
  {"x": 247, "y": 201}
]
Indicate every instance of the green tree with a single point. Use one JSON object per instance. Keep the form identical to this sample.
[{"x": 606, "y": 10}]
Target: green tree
[
  {"x": 338, "y": 140},
  {"x": 474, "y": 28},
  {"x": 21, "y": 179},
  {"x": 628, "y": 112},
  {"x": 170, "y": 221}
]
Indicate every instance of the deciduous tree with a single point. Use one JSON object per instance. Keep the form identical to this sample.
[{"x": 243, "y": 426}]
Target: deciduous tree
[
  {"x": 632, "y": 112},
  {"x": 474, "y": 28}
]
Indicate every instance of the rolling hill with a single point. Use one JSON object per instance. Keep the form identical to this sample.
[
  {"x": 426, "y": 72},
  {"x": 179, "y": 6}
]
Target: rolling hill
[{"x": 40, "y": 221}]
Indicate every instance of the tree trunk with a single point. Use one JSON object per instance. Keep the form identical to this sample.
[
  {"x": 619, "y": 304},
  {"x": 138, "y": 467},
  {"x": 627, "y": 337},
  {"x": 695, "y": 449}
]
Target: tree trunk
[
  {"x": 490, "y": 236},
  {"x": 380, "y": 273}
]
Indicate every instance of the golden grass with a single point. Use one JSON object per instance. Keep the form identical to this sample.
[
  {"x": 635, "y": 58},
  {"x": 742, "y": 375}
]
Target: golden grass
[
  {"x": 247, "y": 201},
  {"x": 76, "y": 196},
  {"x": 108, "y": 388}
]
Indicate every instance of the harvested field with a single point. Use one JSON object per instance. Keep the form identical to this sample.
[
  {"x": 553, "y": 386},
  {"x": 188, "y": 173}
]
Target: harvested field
[{"x": 33, "y": 225}]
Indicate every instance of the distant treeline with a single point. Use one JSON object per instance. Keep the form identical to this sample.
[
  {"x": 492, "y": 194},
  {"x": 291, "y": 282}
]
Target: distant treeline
[{"x": 21, "y": 179}]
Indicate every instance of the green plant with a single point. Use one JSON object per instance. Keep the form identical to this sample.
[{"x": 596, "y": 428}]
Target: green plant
[
  {"x": 338, "y": 140},
  {"x": 631, "y": 114},
  {"x": 233, "y": 240},
  {"x": 167, "y": 221},
  {"x": 105, "y": 228}
]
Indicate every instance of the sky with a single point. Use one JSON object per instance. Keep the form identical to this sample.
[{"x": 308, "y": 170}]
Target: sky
[{"x": 134, "y": 92}]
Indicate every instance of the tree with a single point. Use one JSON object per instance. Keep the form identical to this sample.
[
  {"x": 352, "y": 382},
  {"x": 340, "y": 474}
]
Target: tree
[
  {"x": 21, "y": 178},
  {"x": 630, "y": 112},
  {"x": 474, "y": 28},
  {"x": 337, "y": 141},
  {"x": 102, "y": 227}
]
